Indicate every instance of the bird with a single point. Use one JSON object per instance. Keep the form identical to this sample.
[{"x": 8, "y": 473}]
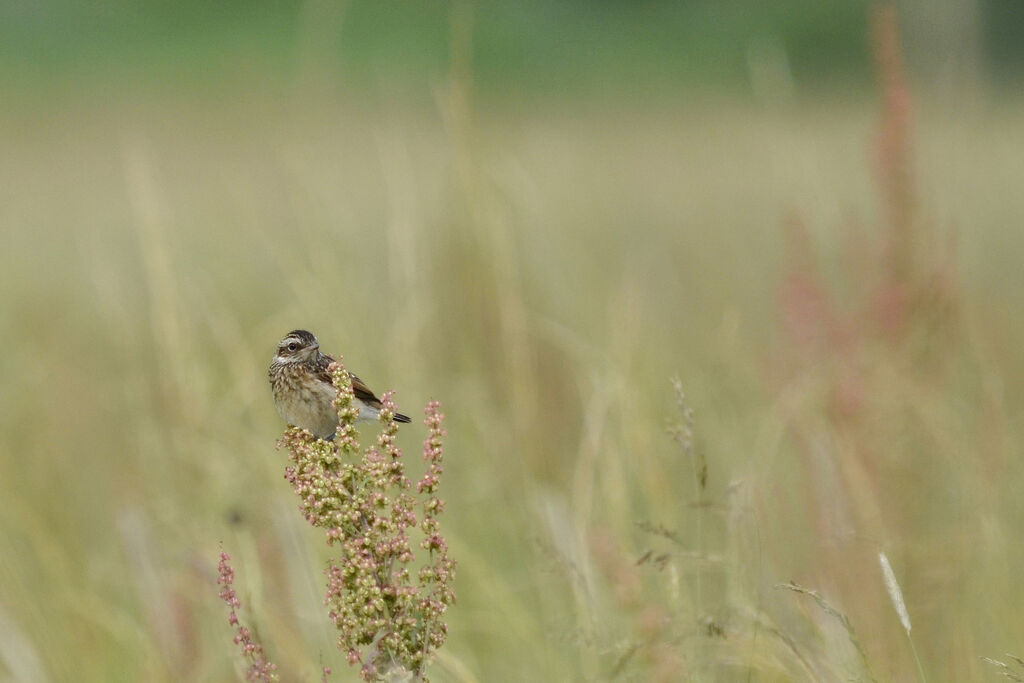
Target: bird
[{"x": 303, "y": 391}]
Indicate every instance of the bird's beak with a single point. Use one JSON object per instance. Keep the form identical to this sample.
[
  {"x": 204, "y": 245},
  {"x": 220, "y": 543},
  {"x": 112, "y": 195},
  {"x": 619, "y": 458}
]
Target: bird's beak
[{"x": 316, "y": 347}]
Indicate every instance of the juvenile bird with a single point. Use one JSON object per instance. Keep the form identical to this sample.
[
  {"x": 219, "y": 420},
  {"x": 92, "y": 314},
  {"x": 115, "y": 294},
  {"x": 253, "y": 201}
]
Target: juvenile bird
[{"x": 303, "y": 392}]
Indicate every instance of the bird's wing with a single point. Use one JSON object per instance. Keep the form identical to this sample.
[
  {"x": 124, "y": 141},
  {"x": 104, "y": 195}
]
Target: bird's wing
[{"x": 361, "y": 391}]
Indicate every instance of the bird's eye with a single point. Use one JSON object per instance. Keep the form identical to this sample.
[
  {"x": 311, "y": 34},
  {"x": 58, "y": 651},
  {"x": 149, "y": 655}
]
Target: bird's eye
[{"x": 293, "y": 347}]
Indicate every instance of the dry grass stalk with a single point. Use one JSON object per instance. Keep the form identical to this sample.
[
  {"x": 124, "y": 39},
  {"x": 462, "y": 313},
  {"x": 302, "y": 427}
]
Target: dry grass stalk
[
  {"x": 843, "y": 620},
  {"x": 896, "y": 595},
  {"x": 1005, "y": 670}
]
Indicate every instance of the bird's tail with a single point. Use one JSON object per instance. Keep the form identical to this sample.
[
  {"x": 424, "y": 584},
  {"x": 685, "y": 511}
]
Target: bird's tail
[{"x": 399, "y": 417}]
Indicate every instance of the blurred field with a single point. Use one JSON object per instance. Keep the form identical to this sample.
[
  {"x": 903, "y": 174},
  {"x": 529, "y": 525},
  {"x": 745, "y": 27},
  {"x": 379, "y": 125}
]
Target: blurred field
[{"x": 543, "y": 267}]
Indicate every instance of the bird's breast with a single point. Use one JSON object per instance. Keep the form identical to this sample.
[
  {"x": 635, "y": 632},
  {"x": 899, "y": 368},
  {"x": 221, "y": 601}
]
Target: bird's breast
[{"x": 305, "y": 401}]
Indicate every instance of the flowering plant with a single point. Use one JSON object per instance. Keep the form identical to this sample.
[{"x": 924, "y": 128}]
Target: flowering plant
[{"x": 388, "y": 622}]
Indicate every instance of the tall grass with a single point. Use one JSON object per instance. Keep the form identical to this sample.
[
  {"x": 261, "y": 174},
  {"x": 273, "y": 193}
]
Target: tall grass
[{"x": 544, "y": 271}]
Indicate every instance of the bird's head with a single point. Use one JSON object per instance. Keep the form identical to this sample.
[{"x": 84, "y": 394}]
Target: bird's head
[{"x": 298, "y": 346}]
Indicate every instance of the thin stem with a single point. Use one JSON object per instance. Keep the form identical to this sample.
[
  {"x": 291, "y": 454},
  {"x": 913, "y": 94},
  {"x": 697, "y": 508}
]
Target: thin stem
[
  {"x": 917, "y": 660},
  {"x": 839, "y": 616},
  {"x": 426, "y": 634}
]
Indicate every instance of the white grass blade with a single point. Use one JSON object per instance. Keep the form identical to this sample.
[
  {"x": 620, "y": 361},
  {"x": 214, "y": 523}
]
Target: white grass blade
[{"x": 895, "y": 594}]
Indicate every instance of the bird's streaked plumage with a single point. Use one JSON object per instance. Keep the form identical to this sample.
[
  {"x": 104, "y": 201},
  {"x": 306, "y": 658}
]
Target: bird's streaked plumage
[{"x": 303, "y": 392}]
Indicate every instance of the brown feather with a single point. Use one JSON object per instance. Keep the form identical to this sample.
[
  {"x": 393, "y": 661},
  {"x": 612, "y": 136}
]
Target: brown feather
[{"x": 361, "y": 391}]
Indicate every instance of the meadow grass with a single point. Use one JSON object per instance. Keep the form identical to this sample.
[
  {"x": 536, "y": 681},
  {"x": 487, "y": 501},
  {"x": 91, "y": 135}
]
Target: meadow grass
[{"x": 544, "y": 272}]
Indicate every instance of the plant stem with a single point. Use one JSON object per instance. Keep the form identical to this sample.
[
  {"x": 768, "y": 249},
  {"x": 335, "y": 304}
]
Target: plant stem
[{"x": 917, "y": 660}]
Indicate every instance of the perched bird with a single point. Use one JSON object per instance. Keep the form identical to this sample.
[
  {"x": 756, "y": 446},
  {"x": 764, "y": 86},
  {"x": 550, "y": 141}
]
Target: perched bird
[{"x": 303, "y": 392}]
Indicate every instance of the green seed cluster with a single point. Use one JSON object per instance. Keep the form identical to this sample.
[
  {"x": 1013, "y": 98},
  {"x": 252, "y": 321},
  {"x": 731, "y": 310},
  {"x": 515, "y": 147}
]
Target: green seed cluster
[{"x": 362, "y": 500}]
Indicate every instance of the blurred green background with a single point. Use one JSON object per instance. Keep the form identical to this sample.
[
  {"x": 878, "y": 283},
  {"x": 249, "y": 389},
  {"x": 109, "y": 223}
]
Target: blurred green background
[{"x": 539, "y": 213}]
